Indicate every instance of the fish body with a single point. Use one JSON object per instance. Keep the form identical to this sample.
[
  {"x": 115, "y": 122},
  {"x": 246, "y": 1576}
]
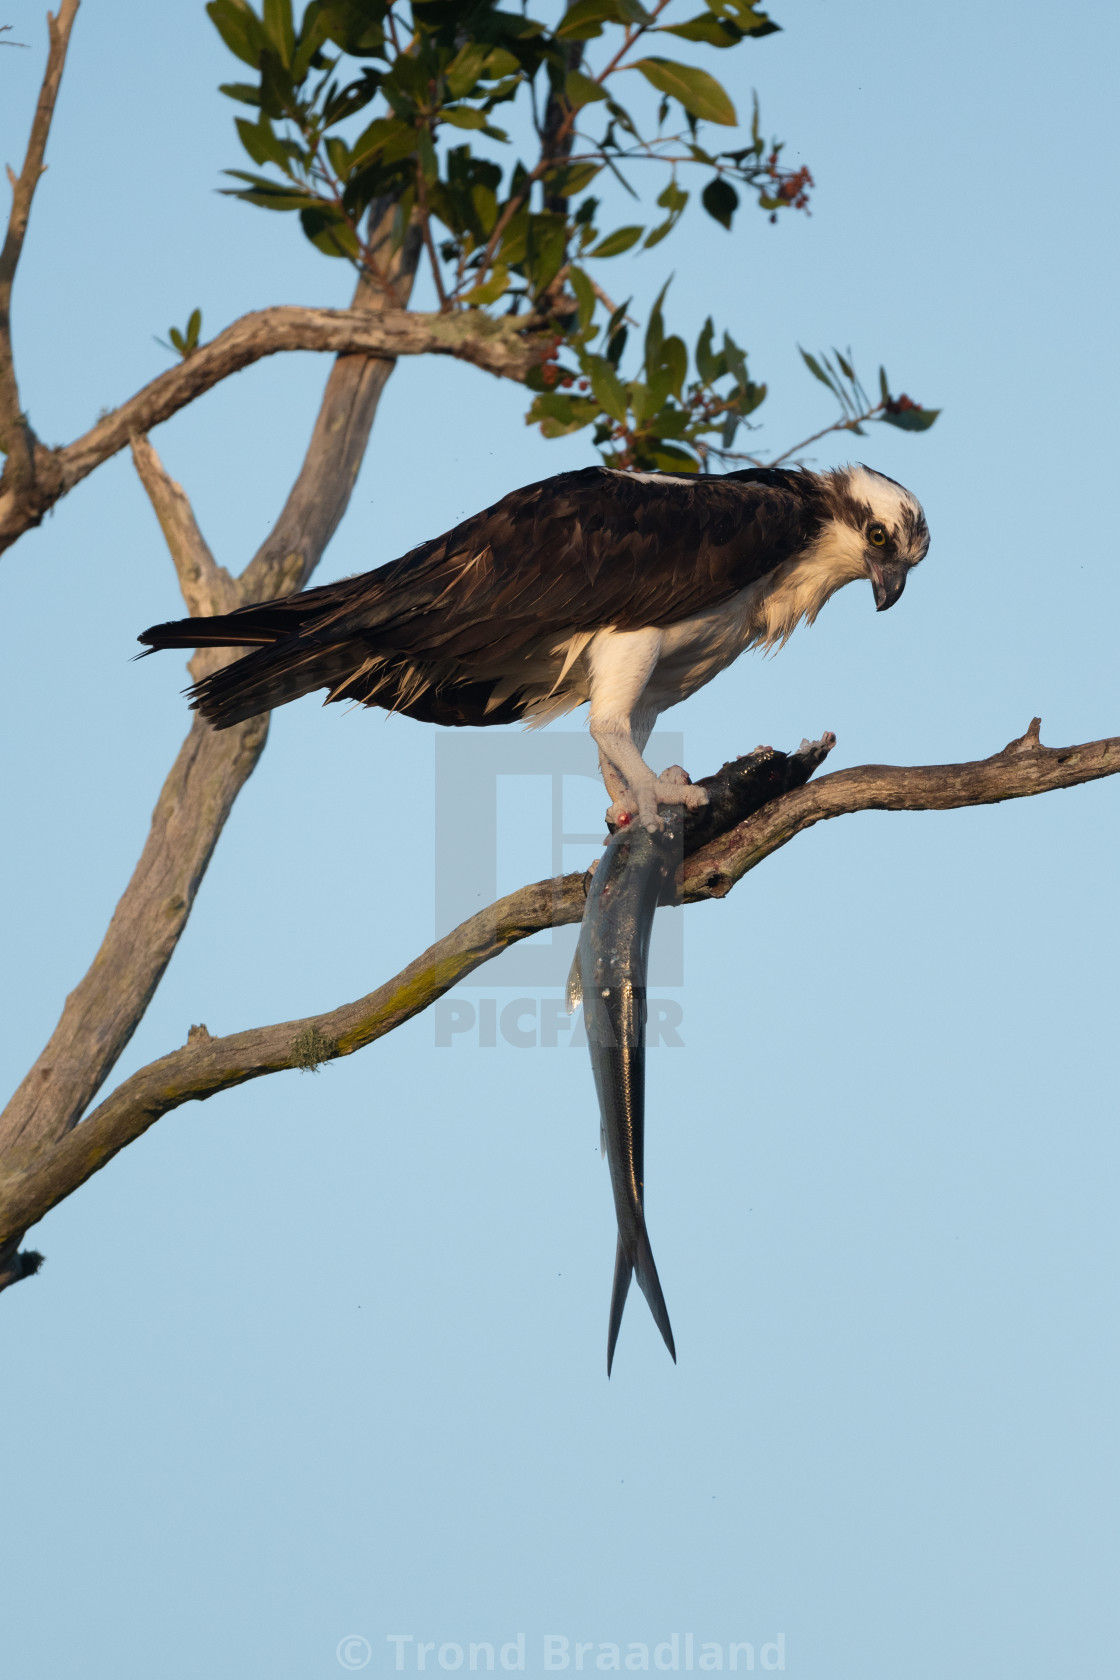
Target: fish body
[{"x": 610, "y": 969}]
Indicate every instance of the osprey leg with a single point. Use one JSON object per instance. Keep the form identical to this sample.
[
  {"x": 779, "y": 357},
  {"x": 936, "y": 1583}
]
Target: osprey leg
[{"x": 621, "y": 663}]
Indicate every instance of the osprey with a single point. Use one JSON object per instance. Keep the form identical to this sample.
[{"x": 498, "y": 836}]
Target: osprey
[{"x": 625, "y": 590}]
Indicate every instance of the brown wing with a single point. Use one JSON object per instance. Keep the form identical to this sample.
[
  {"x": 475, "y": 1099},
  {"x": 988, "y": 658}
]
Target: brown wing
[{"x": 576, "y": 552}]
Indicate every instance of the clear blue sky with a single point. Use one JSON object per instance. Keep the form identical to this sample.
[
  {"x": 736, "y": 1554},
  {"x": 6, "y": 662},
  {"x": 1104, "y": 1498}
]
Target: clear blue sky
[{"x": 324, "y": 1357}]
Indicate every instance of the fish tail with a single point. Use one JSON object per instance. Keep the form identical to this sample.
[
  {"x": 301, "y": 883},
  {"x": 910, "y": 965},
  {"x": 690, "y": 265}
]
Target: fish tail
[
  {"x": 623, "y": 1272},
  {"x": 650, "y": 1285}
]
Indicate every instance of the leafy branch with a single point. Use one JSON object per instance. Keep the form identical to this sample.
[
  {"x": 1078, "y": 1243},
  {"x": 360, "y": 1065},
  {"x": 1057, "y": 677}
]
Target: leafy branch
[
  {"x": 657, "y": 421},
  {"x": 417, "y": 83},
  {"x": 184, "y": 343},
  {"x": 527, "y": 237}
]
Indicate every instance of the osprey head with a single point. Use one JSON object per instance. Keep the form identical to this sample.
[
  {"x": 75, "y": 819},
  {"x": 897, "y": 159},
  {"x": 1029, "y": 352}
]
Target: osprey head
[{"x": 888, "y": 524}]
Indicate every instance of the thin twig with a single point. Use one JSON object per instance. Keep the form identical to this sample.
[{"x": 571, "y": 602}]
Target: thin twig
[
  {"x": 15, "y": 433},
  {"x": 848, "y": 424},
  {"x": 534, "y": 175},
  {"x": 429, "y": 242}
]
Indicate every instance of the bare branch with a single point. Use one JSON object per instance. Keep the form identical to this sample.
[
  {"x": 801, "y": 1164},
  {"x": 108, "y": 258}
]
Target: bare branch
[
  {"x": 207, "y": 587},
  {"x": 498, "y": 346},
  {"x": 845, "y": 424},
  {"x": 16, "y": 436},
  {"x": 103, "y": 1011},
  {"x": 1023, "y": 768},
  {"x": 207, "y": 1065}
]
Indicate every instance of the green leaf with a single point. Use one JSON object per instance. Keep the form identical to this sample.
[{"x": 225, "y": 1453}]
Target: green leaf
[
  {"x": 246, "y": 92},
  {"x": 674, "y": 362},
  {"x": 673, "y": 199},
  {"x": 748, "y": 18},
  {"x": 272, "y": 195},
  {"x": 699, "y": 93},
  {"x": 277, "y": 92},
  {"x": 622, "y": 239},
  {"x": 816, "y": 370},
  {"x": 338, "y": 153},
  {"x": 585, "y": 20},
  {"x": 585, "y": 296},
  {"x": 607, "y": 388},
  {"x": 581, "y": 90},
  {"x": 465, "y": 70},
  {"x": 911, "y": 419},
  {"x": 314, "y": 35},
  {"x": 655, "y": 332},
  {"x": 671, "y": 459},
  {"x": 261, "y": 143},
  {"x": 490, "y": 290},
  {"x": 194, "y": 327},
  {"x": 329, "y": 231},
  {"x": 545, "y": 248},
  {"x": 463, "y": 116},
  {"x": 559, "y": 415},
  {"x": 735, "y": 361},
  {"x": 571, "y": 178},
  {"x": 643, "y": 401},
  {"x": 280, "y": 29},
  {"x": 708, "y": 365},
  {"x": 713, "y": 31},
  {"x": 426, "y": 152},
  {"x": 884, "y": 387},
  {"x": 720, "y": 200},
  {"x": 387, "y": 139},
  {"x": 501, "y": 64},
  {"x": 240, "y": 29},
  {"x": 845, "y": 367},
  {"x": 351, "y": 27}
]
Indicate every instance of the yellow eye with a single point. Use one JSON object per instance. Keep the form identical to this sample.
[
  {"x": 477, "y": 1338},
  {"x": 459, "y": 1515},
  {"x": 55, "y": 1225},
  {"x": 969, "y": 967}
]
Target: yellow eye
[{"x": 877, "y": 535}]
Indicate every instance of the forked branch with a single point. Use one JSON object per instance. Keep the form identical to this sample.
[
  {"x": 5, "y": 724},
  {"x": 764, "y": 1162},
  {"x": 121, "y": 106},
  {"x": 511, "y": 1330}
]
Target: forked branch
[
  {"x": 103, "y": 1010},
  {"x": 206, "y": 1065}
]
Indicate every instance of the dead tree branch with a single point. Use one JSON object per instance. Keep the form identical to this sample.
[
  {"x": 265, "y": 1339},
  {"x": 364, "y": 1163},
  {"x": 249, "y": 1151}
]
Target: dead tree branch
[
  {"x": 16, "y": 437},
  {"x": 499, "y": 347},
  {"x": 207, "y": 1065},
  {"x": 106, "y": 1006},
  {"x": 207, "y": 587},
  {"x": 1023, "y": 768}
]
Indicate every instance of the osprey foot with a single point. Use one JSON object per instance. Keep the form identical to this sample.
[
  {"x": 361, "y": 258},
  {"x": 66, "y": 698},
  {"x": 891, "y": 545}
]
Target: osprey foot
[{"x": 673, "y": 787}]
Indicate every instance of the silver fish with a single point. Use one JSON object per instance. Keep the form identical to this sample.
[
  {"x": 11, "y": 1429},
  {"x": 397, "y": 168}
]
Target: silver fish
[{"x": 609, "y": 977}]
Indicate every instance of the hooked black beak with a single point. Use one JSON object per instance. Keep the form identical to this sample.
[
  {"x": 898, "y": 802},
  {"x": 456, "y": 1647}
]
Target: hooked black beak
[{"x": 888, "y": 580}]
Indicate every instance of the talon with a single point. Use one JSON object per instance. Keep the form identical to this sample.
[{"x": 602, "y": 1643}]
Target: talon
[{"x": 675, "y": 788}]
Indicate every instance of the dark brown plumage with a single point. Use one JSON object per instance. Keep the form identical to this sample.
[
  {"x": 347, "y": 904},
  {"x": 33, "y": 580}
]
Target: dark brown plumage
[{"x": 459, "y": 630}]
